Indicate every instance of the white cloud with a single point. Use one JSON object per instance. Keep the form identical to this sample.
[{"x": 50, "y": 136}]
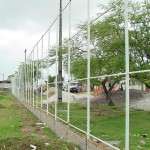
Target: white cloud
[
  {"x": 23, "y": 22},
  {"x": 4, "y": 42}
]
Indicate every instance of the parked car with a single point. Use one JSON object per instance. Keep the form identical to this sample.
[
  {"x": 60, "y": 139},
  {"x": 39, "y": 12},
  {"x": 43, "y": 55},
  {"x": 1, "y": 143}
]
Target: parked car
[{"x": 74, "y": 87}]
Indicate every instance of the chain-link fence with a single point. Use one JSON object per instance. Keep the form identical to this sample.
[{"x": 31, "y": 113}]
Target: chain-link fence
[{"x": 110, "y": 49}]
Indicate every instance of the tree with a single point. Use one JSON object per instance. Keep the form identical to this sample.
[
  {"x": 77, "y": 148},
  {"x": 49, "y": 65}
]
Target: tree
[
  {"x": 51, "y": 79},
  {"x": 37, "y": 69},
  {"x": 108, "y": 45}
]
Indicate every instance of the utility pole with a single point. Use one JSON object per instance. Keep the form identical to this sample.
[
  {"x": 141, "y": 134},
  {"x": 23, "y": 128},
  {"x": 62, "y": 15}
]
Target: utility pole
[
  {"x": 60, "y": 56},
  {"x": 25, "y": 55}
]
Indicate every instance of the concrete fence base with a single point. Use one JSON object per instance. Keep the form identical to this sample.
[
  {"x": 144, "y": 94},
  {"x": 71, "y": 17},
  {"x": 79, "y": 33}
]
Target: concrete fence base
[{"x": 65, "y": 132}]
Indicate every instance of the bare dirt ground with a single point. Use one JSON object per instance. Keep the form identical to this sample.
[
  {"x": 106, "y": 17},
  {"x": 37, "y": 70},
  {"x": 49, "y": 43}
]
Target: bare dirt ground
[
  {"x": 138, "y": 98},
  {"x": 143, "y": 103},
  {"x": 74, "y": 97}
]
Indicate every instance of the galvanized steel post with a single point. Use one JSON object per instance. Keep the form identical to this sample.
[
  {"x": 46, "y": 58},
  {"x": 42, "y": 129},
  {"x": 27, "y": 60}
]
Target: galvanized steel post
[{"x": 127, "y": 74}]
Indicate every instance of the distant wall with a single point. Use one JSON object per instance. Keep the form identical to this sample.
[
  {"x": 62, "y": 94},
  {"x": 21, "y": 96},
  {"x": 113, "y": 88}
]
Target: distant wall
[{"x": 5, "y": 85}]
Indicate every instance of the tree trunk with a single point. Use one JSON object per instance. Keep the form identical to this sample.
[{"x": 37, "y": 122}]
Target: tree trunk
[{"x": 107, "y": 93}]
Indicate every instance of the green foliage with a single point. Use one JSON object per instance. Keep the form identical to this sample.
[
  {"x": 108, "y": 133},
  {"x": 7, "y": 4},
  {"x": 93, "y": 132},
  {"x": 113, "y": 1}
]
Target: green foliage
[
  {"x": 108, "y": 42},
  {"x": 29, "y": 72},
  {"x": 51, "y": 79}
]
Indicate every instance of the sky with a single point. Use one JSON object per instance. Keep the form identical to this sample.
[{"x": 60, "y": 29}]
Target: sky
[{"x": 23, "y": 22}]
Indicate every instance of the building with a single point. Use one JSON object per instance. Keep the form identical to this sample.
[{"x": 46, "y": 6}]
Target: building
[{"x": 6, "y": 83}]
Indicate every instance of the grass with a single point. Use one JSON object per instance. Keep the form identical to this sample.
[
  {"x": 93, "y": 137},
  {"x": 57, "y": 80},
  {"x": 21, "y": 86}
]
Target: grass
[
  {"x": 108, "y": 123},
  {"x": 11, "y": 122},
  {"x": 18, "y": 129}
]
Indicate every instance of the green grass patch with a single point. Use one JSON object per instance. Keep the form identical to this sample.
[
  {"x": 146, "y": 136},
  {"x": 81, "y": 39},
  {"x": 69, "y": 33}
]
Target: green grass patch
[
  {"x": 11, "y": 122},
  {"x": 108, "y": 123},
  {"x": 19, "y": 129},
  {"x": 51, "y": 134}
]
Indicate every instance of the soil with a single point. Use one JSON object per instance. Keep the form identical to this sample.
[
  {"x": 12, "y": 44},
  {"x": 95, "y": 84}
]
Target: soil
[
  {"x": 118, "y": 97},
  {"x": 138, "y": 99}
]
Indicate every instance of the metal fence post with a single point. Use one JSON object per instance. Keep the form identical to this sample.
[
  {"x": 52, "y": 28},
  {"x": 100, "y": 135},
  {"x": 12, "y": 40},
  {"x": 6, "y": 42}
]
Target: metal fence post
[
  {"x": 37, "y": 74},
  {"x": 48, "y": 68},
  {"x": 127, "y": 74},
  {"x": 33, "y": 78},
  {"x": 88, "y": 73},
  {"x": 56, "y": 68},
  {"x": 69, "y": 49}
]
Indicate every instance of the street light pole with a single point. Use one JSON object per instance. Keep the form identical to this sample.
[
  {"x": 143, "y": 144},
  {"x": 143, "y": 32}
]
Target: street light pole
[
  {"x": 25, "y": 54},
  {"x": 60, "y": 56}
]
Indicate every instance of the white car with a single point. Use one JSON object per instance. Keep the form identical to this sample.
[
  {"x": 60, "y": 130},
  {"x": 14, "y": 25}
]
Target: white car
[{"x": 74, "y": 87}]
